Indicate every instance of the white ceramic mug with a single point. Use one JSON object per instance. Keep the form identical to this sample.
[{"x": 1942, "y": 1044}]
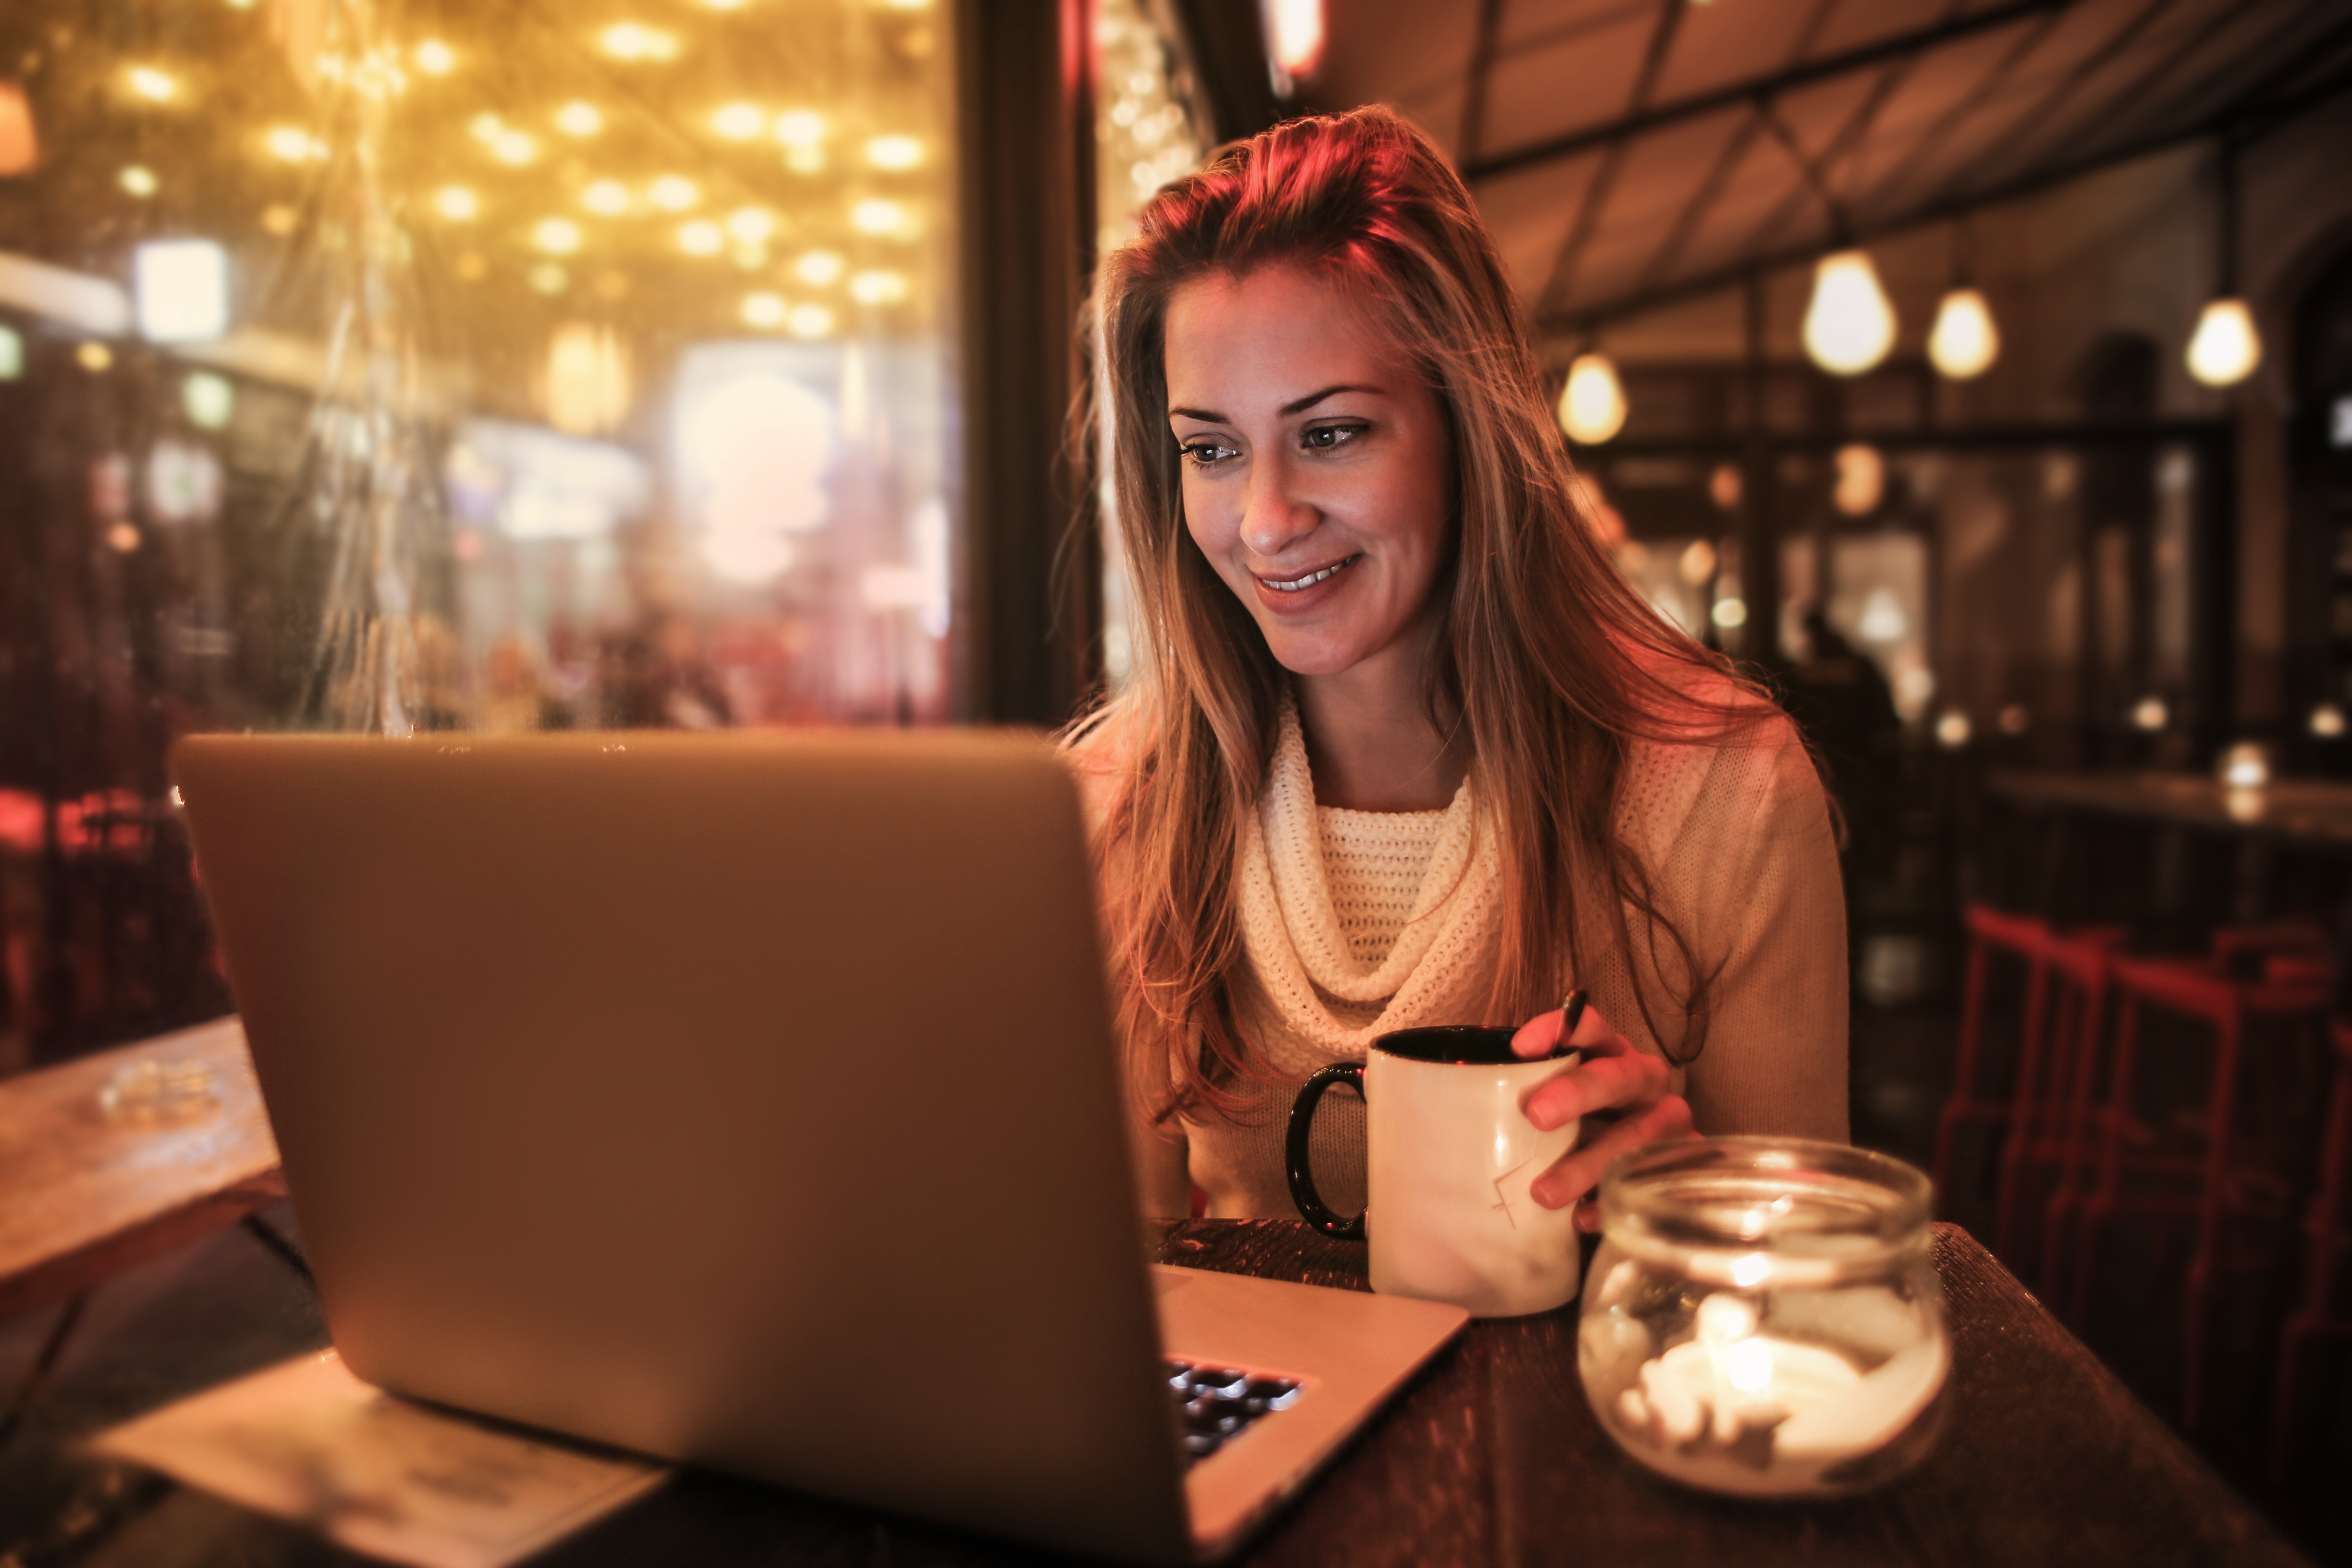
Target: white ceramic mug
[{"x": 1449, "y": 1156}]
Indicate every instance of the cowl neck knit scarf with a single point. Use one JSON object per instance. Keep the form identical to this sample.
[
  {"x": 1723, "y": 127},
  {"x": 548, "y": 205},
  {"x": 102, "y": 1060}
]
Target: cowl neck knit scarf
[{"x": 1326, "y": 1001}]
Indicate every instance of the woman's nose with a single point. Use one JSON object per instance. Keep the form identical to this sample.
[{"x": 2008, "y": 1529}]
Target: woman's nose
[{"x": 1273, "y": 518}]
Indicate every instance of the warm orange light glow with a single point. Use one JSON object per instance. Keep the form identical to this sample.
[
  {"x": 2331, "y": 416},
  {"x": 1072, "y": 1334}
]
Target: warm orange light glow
[
  {"x": 1294, "y": 31},
  {"x": 673, "y": 193}
]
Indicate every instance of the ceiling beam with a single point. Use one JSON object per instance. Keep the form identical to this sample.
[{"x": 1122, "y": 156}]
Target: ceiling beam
[
  {"x": 2238, "y": 121},
  {"x": 1595, "y": 195},
  {"x": 1759, "y": 90},
  {"x": 2021, "y": 132},
  {"x": 1482, "y": 73}
]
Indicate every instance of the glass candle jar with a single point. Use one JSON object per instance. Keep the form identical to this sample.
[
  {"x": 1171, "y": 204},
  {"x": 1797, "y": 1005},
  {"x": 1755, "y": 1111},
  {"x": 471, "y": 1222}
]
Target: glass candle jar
[{"x": 1763, "y": 1317}]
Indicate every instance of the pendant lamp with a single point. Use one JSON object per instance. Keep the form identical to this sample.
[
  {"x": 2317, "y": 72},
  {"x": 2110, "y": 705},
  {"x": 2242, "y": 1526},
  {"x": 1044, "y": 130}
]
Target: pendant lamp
[
  {"x": 2225, "y": 347},
  {"x": 1849, "y": 325},
  {"x": 1593, "y": 403},
  {"x": 1964, "y": 341}
]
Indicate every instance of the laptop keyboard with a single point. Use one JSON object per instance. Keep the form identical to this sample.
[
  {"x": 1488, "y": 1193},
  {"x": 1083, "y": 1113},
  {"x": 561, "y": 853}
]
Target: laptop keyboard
[{"x": 1221, "y": 1403}]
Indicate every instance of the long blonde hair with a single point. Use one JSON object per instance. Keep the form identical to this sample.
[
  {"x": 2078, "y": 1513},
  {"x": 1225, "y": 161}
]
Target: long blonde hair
[{"x": 1545, "y": 656}]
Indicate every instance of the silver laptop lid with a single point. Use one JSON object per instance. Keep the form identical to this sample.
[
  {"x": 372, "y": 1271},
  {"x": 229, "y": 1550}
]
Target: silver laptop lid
[{"x": 668, "y": 1089}]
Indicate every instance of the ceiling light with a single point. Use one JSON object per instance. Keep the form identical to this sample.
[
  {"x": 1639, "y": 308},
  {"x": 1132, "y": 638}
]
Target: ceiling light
[
  {"x": 752, "y": 225},
  {"x": 809, "y": 321},
  {"x": 877, "y": 217},
  {"x": 513, "y": 148},
  {"x": 1295, "y": 34},
  {"x": 1593, "y": 403},
  {"x": 739, "y": 122},
  {"x": 894, "y": 151},
  {"x": 636, "y": 41},
  {"x": 1849, "y": 325},
  {"x": 1964, "y": 341},
  {"x": 548, "y": 277},
  {"x": 556, "y": 235},
  {"x": 147, "y": 82},
  {"x": 701, "y": 237},
  {"x": 182, "y": 287},
  {"x": 290, "y": 143},
  {"x": 763, "y": 310},
  {"x": 435, "y": 58},
  {"x": 1952, "y": 729},
  {"x": 800, "y": 128},
  {"x": 456, "y": 203},
  {"x": 579, "y": 117},
  {"x": 878, "y": 287},
  {"x": 673, "y": 193},
  {"x": 606, "y": 198},
  {"x": 138, "y": 180},
  {"x": 2226, "y": 347},
  {"x": 818, "y": 267}
]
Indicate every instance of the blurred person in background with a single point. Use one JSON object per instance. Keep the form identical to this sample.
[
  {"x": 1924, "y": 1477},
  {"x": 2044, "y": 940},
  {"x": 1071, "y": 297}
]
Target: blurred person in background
[{"x": 1841, "y": 700}]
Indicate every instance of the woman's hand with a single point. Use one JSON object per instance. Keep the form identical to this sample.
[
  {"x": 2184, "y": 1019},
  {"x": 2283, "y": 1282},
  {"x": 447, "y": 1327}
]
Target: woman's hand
[{"x": 1611, "y": 1077}]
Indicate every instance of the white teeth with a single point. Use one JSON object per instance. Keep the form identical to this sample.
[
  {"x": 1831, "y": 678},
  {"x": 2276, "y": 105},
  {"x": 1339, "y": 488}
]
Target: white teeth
[{"x": 1310, "y": 579}]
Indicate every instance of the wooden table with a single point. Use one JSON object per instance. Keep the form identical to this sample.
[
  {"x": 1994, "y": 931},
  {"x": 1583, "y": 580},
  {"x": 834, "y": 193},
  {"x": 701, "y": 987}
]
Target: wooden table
[
  {"x": 2309, "y": 814},
  {"x": 1490, "y": 1457},
  {"x": 93, "y": 1183}
]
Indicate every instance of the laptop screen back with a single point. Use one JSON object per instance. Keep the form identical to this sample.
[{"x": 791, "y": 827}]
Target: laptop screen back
[{"x": 676, "y": 1092}]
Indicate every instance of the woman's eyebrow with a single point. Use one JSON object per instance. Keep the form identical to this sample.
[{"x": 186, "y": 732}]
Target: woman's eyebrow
[
  {"x": 1312, "y": 398},
  {"x": 1300, "y": 405}
]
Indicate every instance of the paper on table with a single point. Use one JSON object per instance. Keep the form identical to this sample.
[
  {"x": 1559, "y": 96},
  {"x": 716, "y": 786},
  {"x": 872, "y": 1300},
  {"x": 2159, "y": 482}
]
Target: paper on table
[{"x": 307, "y": 1441}]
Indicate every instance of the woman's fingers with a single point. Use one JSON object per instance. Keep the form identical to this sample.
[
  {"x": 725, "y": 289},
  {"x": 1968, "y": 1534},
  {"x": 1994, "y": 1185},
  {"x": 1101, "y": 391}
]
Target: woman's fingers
[
  {"x": 1539, "y": 1036},
  {"x": 1627, "y": 1077},
  {"x": 1577, "y": 1174}
]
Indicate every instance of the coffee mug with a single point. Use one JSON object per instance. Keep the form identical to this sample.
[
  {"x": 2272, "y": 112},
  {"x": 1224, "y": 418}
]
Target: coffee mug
[{"x": 1449, "y": 1156}]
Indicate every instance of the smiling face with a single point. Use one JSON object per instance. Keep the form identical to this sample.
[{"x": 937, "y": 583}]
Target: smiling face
[{"x": 1317, "y": 470}]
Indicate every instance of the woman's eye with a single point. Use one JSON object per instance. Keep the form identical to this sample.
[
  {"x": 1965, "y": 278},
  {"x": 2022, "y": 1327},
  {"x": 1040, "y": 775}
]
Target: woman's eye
[
  {"x": 1205, "y": 453},
  {"x": 1323, "y": 438}
]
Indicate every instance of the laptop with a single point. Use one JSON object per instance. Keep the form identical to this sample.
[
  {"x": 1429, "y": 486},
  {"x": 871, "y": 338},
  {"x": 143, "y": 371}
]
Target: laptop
[{"x": 750, "y": 1101}]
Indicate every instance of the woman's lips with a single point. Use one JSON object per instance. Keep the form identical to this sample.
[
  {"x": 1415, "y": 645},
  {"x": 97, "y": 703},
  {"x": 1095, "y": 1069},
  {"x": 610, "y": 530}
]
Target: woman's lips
[{"x": 1309, "y": 587}]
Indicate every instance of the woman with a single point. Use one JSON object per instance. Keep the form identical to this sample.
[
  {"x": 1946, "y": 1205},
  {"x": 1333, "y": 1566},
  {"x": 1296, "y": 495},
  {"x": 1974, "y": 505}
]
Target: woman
[{"x": 1399, "y": 746}]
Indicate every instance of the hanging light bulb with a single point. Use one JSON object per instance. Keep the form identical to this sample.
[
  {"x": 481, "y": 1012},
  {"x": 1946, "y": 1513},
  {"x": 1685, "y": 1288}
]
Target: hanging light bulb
[
  {"x": 1593, "y": 403},
  {"x": 2225, "y": 348},
  {"x": 1964, "y": 341},
  {"x": 1849, "y": 326},
  {"x": 1295, "y": 34}
]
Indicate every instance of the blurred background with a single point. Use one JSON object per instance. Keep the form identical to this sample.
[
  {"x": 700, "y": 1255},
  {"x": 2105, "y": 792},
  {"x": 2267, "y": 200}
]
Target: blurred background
[{"x": 1978, "y": 372}]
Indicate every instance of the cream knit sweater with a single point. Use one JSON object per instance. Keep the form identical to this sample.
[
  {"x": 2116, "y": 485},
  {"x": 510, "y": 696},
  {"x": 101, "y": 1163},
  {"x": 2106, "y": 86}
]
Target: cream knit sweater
[{"x": 1360, "y": 923}]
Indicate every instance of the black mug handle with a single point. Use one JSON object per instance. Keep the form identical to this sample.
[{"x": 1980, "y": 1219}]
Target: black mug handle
[{"x": 1295, "y": 1146}]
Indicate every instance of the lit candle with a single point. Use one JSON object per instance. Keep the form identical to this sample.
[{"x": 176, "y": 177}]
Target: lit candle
[{"x": 1740, "y": 1410}]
